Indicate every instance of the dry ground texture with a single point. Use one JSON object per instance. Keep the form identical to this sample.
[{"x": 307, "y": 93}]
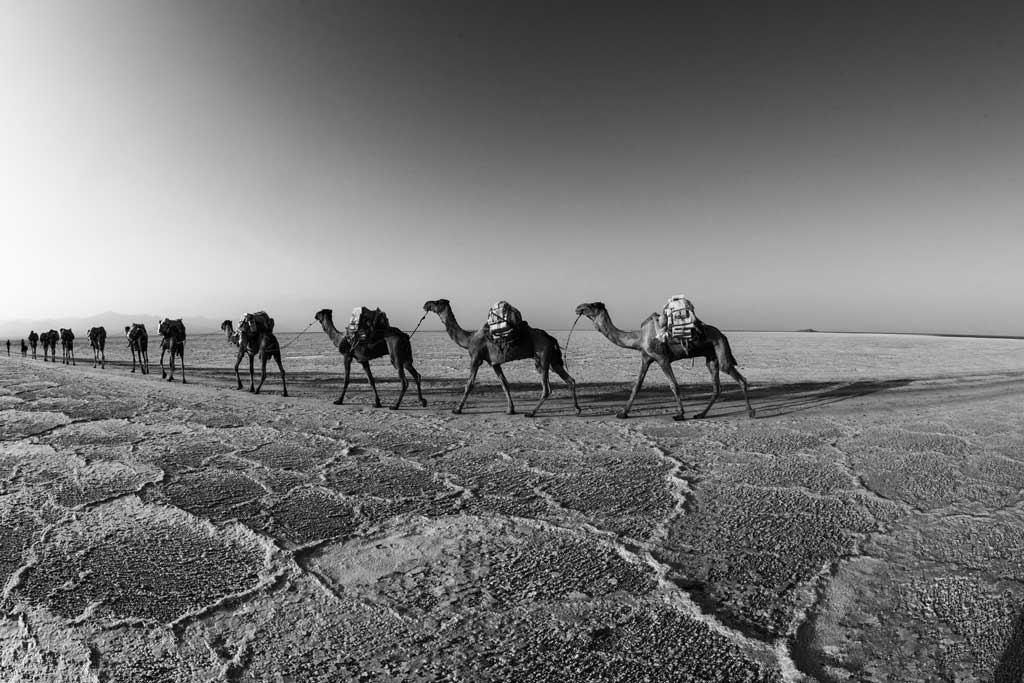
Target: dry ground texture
[{"x": 862, "y": 531}]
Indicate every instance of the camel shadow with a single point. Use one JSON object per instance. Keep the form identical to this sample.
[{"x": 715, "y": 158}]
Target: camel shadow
[
  {"x": 773, "y": 400},
  {"x": 1011, "y": 664}
]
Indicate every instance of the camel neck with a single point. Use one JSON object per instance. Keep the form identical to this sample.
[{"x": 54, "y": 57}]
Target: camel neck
[
  {"x": 604, "y": 325},
  {"x": 454, "y": 330},
  {"x": 337, "y": 337}
]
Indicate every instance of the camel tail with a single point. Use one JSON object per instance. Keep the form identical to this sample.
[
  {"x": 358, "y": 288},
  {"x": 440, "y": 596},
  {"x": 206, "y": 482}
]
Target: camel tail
[{"x": 557, "y": 357}]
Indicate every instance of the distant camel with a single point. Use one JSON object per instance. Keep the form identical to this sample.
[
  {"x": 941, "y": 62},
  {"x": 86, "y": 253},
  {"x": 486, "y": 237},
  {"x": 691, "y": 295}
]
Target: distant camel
[
  {"x": 391, "y": 342},
  {"x": 24, "y": 348},
  {"x": 98, "y": 341},
  {"x": 173, "y": 333},
  {"x": 138, "y": 343},
  {"x": 67, "y": 343},
  {"x": 33, "y": 341},
  {"x": 714, "y": 348},
  {"x": 255, "y": 337},
  {"x": 50, "y": 340},
  {"x": 532, "y": 343}
]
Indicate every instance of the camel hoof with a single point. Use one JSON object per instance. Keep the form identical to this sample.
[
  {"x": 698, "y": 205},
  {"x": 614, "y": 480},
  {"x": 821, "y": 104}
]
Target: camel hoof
[
  {"x": 133, "y": 372},
  {"x": 184, "y": 382},
  {"x": 622, "y": 415},
  {"x": 456, "y": 411},
  {"x": 700, "y": 416},
  {"x": 252, "y": 391},
  {"x": 377, "y": 405},
  {"x": 285, "y": 394},
  {"x": 338, "y": 402},
  {"x": 579, "y": 412},
  {"x": 751, "y": 413},
  {"x": 530, "y": 414},
  {"x": 679, "y": 418},
  {"x": 163, "y": 375},
  {"x": 423, "y": 402}
]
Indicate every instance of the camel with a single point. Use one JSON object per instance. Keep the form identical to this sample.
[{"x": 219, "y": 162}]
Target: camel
[
  {"x": 33, "y": 341},
  {"x": 50, "y": 340},
  {"x": 67, "y": 343},
  {"x": 173, "y": 333},
  {"x": 391, "y": 342},
  {"x": 98, "y": 342},
  {"x": 255, "y": 337},
  {"x": 138, "y": 343},
  {"x": 24, "y": 348},
  {"x": 714, "y": 348},
  {"x": 532, "y": 343}
]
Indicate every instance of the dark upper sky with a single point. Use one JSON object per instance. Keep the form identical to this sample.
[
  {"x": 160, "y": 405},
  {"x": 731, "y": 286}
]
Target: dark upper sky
[{"x": 839, "y": 165}]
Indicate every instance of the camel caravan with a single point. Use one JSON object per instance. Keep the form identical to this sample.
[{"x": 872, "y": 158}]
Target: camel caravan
[{"x": 673, "y": 333}]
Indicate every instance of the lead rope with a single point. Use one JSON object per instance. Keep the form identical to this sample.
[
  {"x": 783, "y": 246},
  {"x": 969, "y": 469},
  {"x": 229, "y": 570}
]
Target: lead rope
[
  {"x": 565, "y": 353},
  {"x": 418, "y": 324},
  {"x": 297, "y": 336}
]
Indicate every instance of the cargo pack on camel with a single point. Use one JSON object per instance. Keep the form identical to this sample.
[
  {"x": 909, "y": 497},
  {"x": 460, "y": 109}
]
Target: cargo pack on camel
[
  {"x": 679, "y": 323},
  {"x": 503, "y": 322},
  {"x": 365, "y": 323}
]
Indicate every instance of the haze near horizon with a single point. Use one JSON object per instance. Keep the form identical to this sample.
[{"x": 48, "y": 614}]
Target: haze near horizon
[{"x": 841, "y": 166}]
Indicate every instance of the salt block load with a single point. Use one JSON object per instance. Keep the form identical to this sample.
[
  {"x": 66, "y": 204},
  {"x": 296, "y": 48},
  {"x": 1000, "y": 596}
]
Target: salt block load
[
  {"x": 679, "y": 318},
  {"x": 364, "y": 322},
  {"x": 503, "y": 321}
]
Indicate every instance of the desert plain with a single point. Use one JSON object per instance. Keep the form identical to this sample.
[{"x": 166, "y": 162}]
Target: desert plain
[{"x": 868, "y": 525}]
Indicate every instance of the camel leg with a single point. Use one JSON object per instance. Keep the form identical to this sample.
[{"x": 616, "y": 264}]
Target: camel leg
[
  {"x": 545, "y": 391},
  {"x": 416, "y": 377},
  {"x": 73, "y": 356},
  {"x": 560, "y": 370},
  {"x": 508, "y": 392},
  {"x": 405, "y": 386},
  {"x": 742, "y": 381},
  {"x": 170, "y": 377},
  {"x": 716, "y": 385},
  {"x": 163, "y": 373},
  {"x": 144, "y": 362},
  {"x": 284, "y": 385},
  {"x": 182, "y": 354},
  {"x": 263, "y": 371},
  {"x": 469, "y": 386},
  {"x": 348, "y": 376},
  {"x": 238, "y": 361},
  {"x": 666, "y": 367},
  {"x": 103, "y": 359},
  {"x": 373, "y": 384},
  {"x": 645, "y": 365},
  {"x": 252, "y": 374}
]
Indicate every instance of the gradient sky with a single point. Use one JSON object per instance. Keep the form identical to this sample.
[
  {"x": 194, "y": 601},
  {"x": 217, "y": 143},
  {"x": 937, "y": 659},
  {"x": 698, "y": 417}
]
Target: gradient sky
[{"x": 846, "y": 166}]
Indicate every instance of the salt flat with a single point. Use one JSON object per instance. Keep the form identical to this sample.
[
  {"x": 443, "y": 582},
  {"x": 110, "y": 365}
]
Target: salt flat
[{"x": 869, "y": 525}]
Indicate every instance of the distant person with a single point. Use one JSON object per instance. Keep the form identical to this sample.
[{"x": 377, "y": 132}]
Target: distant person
[
  {"x": 24, "y": 348},
  {"x": 8, "y": 347}
]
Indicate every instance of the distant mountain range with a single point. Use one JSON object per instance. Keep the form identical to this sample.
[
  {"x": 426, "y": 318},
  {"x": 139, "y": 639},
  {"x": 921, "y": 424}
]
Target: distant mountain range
[{"x": 113, "y": 322}]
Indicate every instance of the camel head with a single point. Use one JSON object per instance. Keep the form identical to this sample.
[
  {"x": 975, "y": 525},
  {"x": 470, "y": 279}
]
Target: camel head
[
  {"x": 227, "y": 326},
  {"x": 591, "y": 310},
  {"x": 323, "y": 315},
  {"x": 436, "y": 306}
]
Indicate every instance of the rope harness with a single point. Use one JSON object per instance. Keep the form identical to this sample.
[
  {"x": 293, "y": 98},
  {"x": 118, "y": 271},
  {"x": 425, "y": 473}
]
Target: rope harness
[
  {"x": 418, "y": 324},
  {"x": 565, "y": 352},
  {"x": 297, "y": 336}
]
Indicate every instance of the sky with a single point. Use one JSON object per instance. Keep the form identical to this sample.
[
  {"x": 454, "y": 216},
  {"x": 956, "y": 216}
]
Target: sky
[{"x": 839, "y": 166}]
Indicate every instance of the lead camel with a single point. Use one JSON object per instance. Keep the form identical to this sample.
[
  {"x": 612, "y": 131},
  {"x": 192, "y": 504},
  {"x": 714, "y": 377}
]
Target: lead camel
[
  {"x": 714, "y": 349},
  {"x": 533, "y": 343}
]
